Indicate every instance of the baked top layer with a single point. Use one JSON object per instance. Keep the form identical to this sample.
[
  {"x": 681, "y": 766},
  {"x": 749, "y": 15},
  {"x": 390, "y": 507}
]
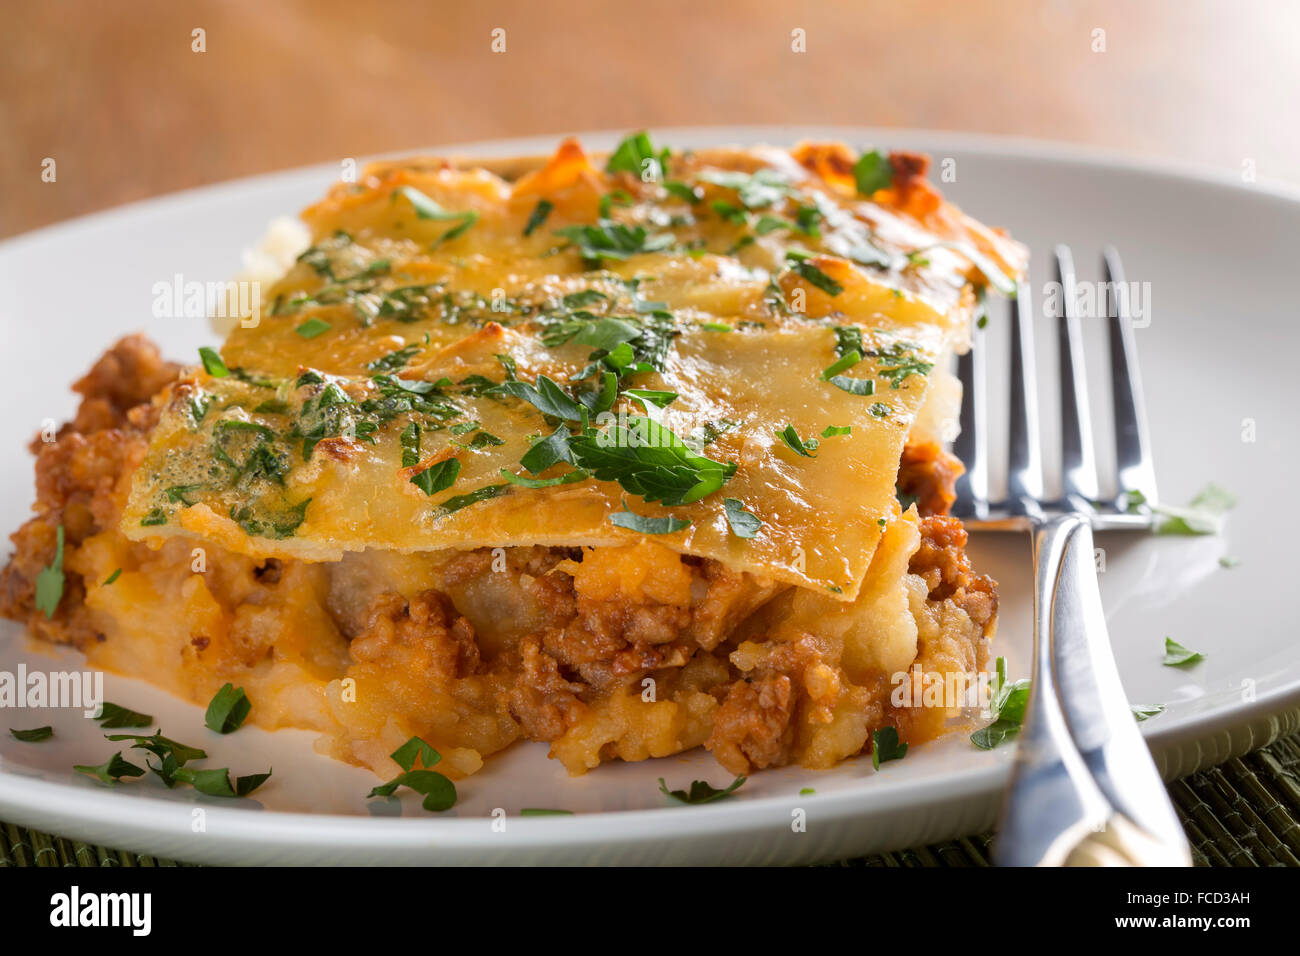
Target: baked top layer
[{"x": 579, "y": 352}]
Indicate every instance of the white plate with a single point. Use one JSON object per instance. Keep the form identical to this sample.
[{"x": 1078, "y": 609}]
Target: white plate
[{"x": 1220, "y": 348}]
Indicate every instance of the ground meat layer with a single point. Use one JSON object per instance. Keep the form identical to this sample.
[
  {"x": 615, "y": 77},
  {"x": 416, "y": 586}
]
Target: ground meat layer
[{"x": 80, "y": 472}]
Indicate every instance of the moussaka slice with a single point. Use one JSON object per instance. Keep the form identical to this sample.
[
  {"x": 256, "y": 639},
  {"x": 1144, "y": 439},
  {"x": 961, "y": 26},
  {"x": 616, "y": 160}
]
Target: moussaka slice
[{"x": 629, "y": 455}]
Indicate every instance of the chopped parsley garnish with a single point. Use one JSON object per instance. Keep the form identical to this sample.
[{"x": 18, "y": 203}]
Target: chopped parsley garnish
[
  {"x": 656, "y": 397},
  {"x": 1205, "y": 514},
  {"x": 277, "y": 525},
  {"x": 112, "y": 716},
  {"x": 619, "y": 197},
  {"x": 33, "y": 736},
  {"x": 227, "y": 710},
  {"x": 312, "y": 328},
  {"x": 426, "y": 208},
  {"x": 547, "y": 451},
  {"x": 416, "y": 749},
  {"x": 848, "y": 339},
  {"x": 880, "y": 410},
  {"x": 1146, "y": 711},
  {"x": 805, "y": 220},
  {"x": 649, "y": 460},
  {"x": 710, "y": 432},
  {"x": 756, "y": 190},
  {"x": 49, "y": 582},
  {"x": 456, "y": 503},
  {"x": 631, "y": 155},
  {"x": 600, "y": 332},
  {"x": 845, "y": 362},
  {"x": 213, "y": 363},
  {"x": 865, "y": 254},
  {"x": 613, "y": 240},
  {"x": 885, "y": 746},
  {"x": 701, "y": 791},
  {"x": 873, "y": 171},
  {"x": 796, "y": 444},
  {"x": 625, "y": 344},
  {"x": 1178, "y": 656},
  {"x": 647, "y": 525},
  {"x": 584, "y": 298},
  {"x": 898, "y": 361},
  {"x": 409, "y": 303},
  {"x": 546, "y": 396},
  {"x": 394, "y": 361},
  {"x": 543, "y": 812},
  {"x": 261, "y": 460},
  {"x": 173, "y": 753},
  {"x": 438, "y": 791},
  {"x": 437, "y": 477},
  {"x": 540, "y": 212},
  {"x": 111, "y": 770},
  {"x": 112, "y": 577},
  {"x": 172, "y": 759},
  {"x": 197, "y": 408},
  {"x": 318, "y": 258},
  {"x": 440, "y": 475},
  {"x": 744, "y": 524},
  {"x": 685, "y": 191},
  {"x": 983, "y": 264},
  {"x": 153, "y": 518},
  {"x": 854, "y": 386},
  {"x": 409, "y": 439},
  {"x": 181, "y": 494},
  {"x": 568, "y": 478},
  {"x": 731, "y": 213},
  {"x": 801, "y": 267},
  {"x": 831, "y": 430},
  {"x": 1007, "y": 708},
  {"x": 216, "y": 781},
  {"x": 774, "y": 299}
]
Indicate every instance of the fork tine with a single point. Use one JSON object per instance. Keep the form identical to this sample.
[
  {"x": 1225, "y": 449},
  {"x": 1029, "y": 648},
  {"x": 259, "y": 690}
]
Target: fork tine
[
  {"x": 971, "y": 444},
  {"x": 1135, "y": 471},
  {"x": 1078, "y": 466},
  {"x": 1024, "y": 461}
]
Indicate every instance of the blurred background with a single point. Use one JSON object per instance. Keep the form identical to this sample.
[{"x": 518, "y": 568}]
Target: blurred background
[{"x": 119, "y": 97}]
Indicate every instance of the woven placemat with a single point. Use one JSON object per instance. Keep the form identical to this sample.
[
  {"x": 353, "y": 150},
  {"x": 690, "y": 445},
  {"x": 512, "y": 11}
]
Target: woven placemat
[{"x": 1245, "y": 812}]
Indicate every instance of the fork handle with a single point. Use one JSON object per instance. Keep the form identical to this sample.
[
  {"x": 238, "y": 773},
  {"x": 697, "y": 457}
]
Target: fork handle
[{"x": 1084, "y": 789}]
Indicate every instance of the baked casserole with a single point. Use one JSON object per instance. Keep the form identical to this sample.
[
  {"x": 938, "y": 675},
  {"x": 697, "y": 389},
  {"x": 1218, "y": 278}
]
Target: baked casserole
[{"x": 628, "y": 454}]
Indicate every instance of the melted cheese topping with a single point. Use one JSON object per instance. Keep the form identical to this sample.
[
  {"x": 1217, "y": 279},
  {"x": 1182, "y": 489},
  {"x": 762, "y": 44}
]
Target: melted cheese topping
[{"x": 723, "y": 296}]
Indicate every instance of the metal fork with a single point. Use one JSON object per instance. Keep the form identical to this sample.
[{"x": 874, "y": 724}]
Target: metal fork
[{"x": 1084, "y": 789}]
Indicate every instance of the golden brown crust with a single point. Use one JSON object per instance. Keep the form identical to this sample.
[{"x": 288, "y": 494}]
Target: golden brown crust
[{"x": 78, "y": 484}]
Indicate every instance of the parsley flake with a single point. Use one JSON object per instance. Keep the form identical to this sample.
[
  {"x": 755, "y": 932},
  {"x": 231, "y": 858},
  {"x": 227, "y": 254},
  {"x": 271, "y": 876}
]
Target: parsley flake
[
  {"x": 701, "y": 791},
  {"x": 49, "y": 582},
  {"x": 1178, "y": 656},
  {"x": 227, "y": 710}
]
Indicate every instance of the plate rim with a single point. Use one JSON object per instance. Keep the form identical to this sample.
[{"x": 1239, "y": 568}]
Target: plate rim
[{"x": 42, "y": 800}]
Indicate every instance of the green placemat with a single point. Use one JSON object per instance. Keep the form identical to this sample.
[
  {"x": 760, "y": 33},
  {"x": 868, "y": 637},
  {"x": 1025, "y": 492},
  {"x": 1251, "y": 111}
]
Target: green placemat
[{"x": 1245, "y": 812}]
